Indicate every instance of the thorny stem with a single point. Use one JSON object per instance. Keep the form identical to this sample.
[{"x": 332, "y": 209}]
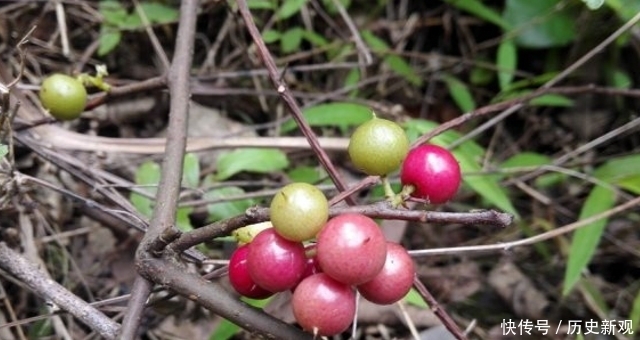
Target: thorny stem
[
  {"x": 447, "y": 321},
  {"x": 164, "y": 212},
  {"x": 376, "y": 210},
  {"x": 290, "y": 100}
]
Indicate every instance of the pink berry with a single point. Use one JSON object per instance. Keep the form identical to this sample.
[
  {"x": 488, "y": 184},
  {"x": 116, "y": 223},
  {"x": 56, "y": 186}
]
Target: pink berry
[
  {"x": 323, "y": 306},
  {"x": 351, "y": 248},
  {"x": 239, "y": 276},
  {"x": 433, "y": 172},
  {"x": 275, "y": 263},
  {"x": 394, "y": 280}
]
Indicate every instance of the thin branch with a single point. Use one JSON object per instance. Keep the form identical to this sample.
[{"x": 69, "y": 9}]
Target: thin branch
[
  {"x": 289, "y": 99},
  {"x": 164, "y": 212},
  {"x": 447, "y": 321},
  {"x": 50, "y": 290},
  {"x": 506, "y": 246},
  {"x": 215, "y": 298},
  {"x": 377, "y": 210}
]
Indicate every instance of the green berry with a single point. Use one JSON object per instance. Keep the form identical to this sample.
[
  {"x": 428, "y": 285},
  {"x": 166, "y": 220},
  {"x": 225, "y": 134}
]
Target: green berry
[
  {"x": 378, "y": 147},
  {"x": 65, "y": 97},
  {"x": 299, "y": 211}
]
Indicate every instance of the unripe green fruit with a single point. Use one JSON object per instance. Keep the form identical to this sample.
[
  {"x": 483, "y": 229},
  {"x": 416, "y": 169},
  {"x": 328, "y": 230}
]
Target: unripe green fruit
[
  {"x": 299, "y": 211},
  {"x": 65, "y": 97},
  {"x": 378, "y": 147}
]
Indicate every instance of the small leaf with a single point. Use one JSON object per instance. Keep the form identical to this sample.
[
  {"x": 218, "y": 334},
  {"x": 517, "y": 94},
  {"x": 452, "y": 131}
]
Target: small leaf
[
  {"x": 480, "y": 10},
  {"x": 191, "y": 171},
  {"x": 552, "y": 100},
  {"x": 159, "y": 13},
  {"x": 305, "y": 174},
  {"x": 585, "y": 240},
  {"x": 539, "y": 23},
  {"x": 507, "y": 61},
  {"x": 270, "y": 36},
  {"x": 261, "y": 4},
  {"x": 226, "y": 329},
  {"x": 634, "y": 316},
  {"x": 396, "y": 63},
  {"x": 342, "y": 115},
  {"x": 290, "y": 8},
  {"x": 460, "y": 93},
  {"x": 352, "y": 78},
  {"x": 4, "y": 150},
  {"x": 290, "y": 40},
  {"x": 226, "y": 209},
  {"x": 108, "y": 40},
  {"x": 414, "y": 298},
  {"x": 251, "y": 160},
  {"x": 314, "y": 38},
  {"x": 183, "y": 222},
  {"x": 147, "y": 177},
  {"x": 113, "y": 12}
]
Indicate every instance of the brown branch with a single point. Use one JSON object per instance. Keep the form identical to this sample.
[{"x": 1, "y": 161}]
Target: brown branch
[
  {"x": 377, "y": 210},
  {"x": 442, "y": 314},
  {"x": 289, "y": 99},
  {"x": 164, "y": 212},
  {"x": 50, "y": 290},
  {"x": 215, "y": 298}
]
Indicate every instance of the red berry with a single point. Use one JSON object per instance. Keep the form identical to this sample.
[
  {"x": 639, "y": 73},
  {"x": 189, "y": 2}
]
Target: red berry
[
  {"x": 394, "y": 280},
  {"x": 351, "y": 248},
  {"x": 275, "y": 263},
  {"x": 323, "y": 306},
  {"x": 433, "y": 172},
  {"x": 239, "y": 276}
]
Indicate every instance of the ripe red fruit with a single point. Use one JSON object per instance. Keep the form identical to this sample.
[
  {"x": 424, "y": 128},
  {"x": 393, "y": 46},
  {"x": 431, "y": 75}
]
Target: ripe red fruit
[
  {"x": 351, "y": 248},
  {"x": 323, "y": 306},
  {"x": 239, "y": 276},
  {"x": 394, "y": 280},
  {"x": 275, "y": 263},
  {"x": 433, "y": 172}
]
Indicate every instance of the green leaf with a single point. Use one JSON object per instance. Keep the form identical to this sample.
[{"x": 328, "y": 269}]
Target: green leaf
[
  {"x": 414, "y": 298},
  {"x": 226, "y": 209},
  {"x": 290, "y": 40},
  {"x": 532, "y": 159},
  {"x": 159, "y": 13},
  {"x": 226, "y": 329},
  {"x": 539, "y": 23},
  {"x": 396, "y": 63},
  {"x": 108, "y": 40},
  {"x": 314, "y": 38},
  {"x": 507, "y": 60},
  {"x": 553, "y": 100},
  {"x": 352, "y": 78},
  {"x": 585, "y": 240},
  {"x": 191, "y": 171},
  {"x": 619, "y": 78},
  {"x": 617, "y": 169},
  {"x": 634, "y": 316},
  {"x": 250, "y": 160},
  {"x": 4, "y": 150},
  {"x": 183, "y": 222},
  {"x": 289, "y": 8},
  {"x": 481, "y": 75},
  {"x": 331, "y": 7},
  {"x": 469, "y": 154},
  {"x": 305, "y": 174},
  {"x": 460, "y": 93},
  {"x": 147, "y": 177},
  {"x": 342, "y": 115},
  {"x": 270, "y": 36},
  {"x": 112, "y": 12},
  {"x": 480, "y": 10},
  {"x": 261, "y": 4}
]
